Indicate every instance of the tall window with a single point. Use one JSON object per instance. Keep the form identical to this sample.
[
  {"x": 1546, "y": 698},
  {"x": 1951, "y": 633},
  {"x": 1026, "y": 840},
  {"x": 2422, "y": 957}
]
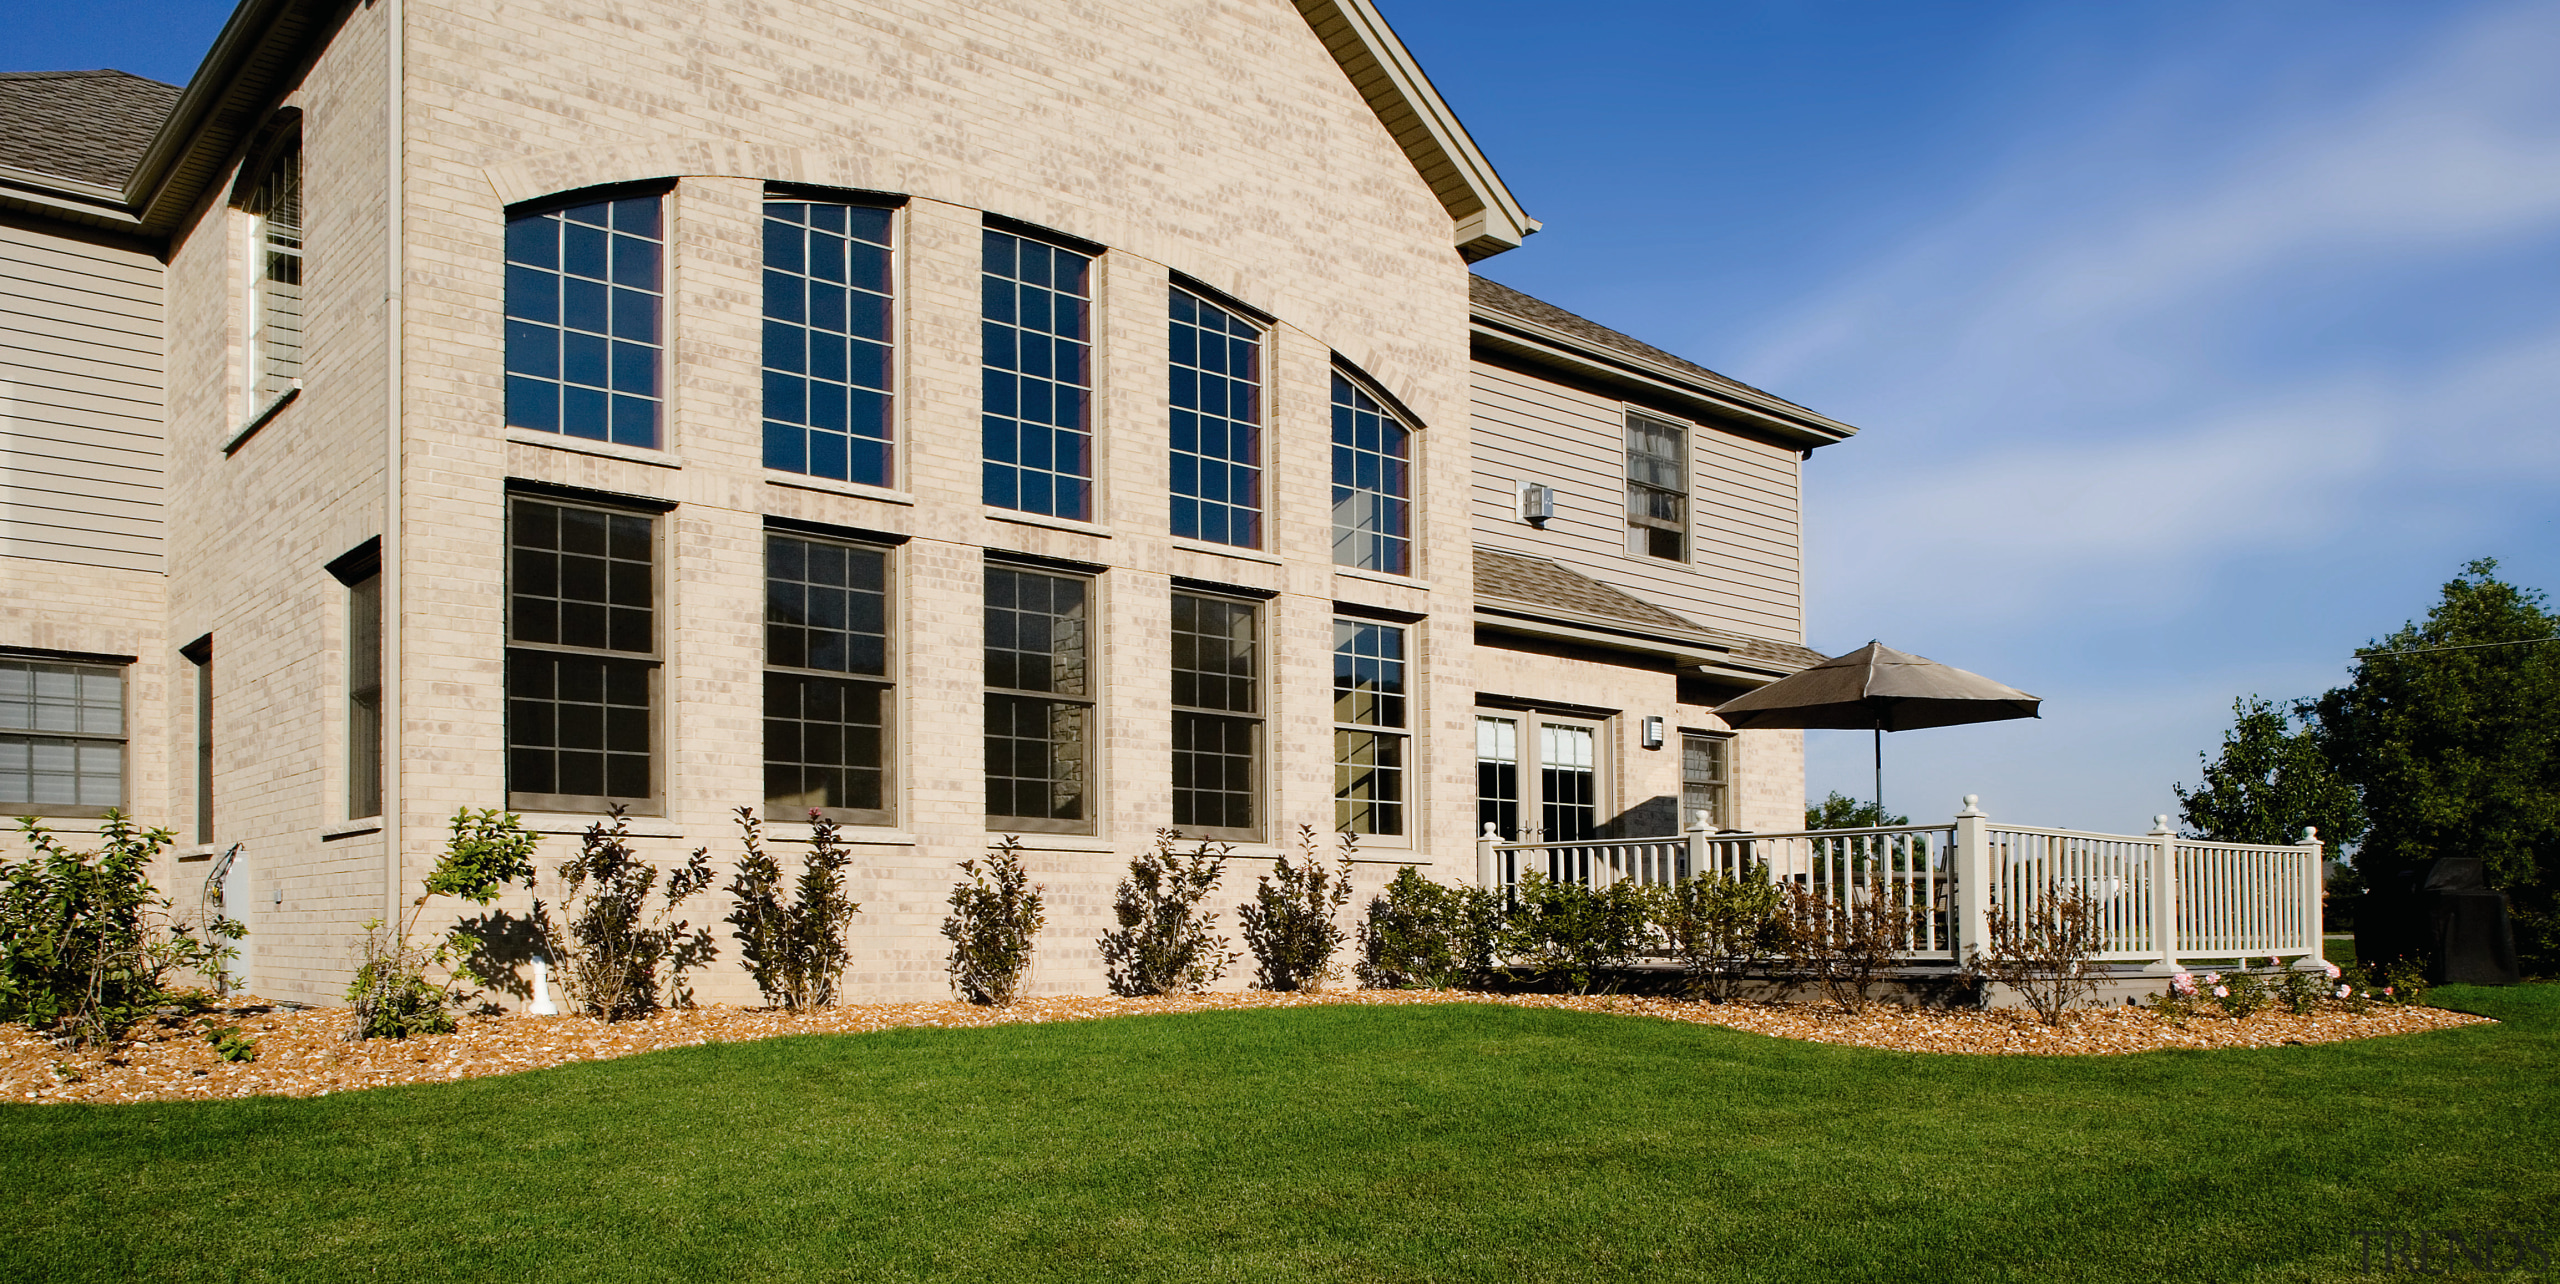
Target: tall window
[
  {"x": 201, "y": 655},
  {"x": 582, "y": 656},
  {"x": 1039, "y": 701},
  {"x": 1217, "y": 417},
  {"x": 61, "y": 738},
  {"x": 827, "y": 692},
  {"x": 1657, "y": 488},
  {"x": 827, "y": 341},
  {"x": 1368, "y": 728},
  {"x": 1372, "y": 483},
  {"x": 1568, "y": 782},
  {"x": 364, "y": 695},
  {"x": 1217, "y": 716},
  {"x": 585, "y": 294},
  {"x": 1039, "y": 381},
  {"x": 275, "y": 349},
  {"x": 1498, "y": 776},
  {"x": 1538, "y": 776},
  {"x": 1706, "y": 779}
]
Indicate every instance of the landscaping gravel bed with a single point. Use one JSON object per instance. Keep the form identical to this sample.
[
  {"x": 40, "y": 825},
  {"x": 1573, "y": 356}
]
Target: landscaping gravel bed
[{"x": 304, "y": 1052}]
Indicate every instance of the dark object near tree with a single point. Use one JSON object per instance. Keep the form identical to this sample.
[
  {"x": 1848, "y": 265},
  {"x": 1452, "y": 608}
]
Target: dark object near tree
[
  {"x": 87, "y": 945},
  {"x": 996, "y": 916},
  {"x": 2441, "y": 915},
  {"x": 1290, "y": 926},
  {"x": 613, "y": 945},
  {"x": 796, "y": 950},
  {"x": 1167, "y": 944}
]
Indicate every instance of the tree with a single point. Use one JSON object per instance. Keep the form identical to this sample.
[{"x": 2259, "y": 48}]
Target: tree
[
  {"x": 2454, "y": 747},
  {"x": 1840, "y": 811},
  {"x": 2271, "y": 782}
]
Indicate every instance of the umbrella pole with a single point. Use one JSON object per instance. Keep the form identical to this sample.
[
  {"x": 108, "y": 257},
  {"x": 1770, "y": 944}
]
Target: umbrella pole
[{"x": 1879, "y": 773}]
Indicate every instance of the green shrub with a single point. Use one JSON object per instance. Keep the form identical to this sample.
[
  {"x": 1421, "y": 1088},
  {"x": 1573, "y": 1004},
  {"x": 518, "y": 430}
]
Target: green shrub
[
  {"x": 2398, "y": 981},
  {"x": 228, "y": 1043},
  {"x": 2046, "y": 958},
  {"x": 996, "y": 916},
  {"x": 2240, "y": 995},
  {"x": 795, "y": 950},
  {"x": 87, "y": 945},
  {"x": 1572, "y": 933},
  {"x": 610, "y": 944},
  {"x": 1290, "y": 926},
  {"x": 394, "y": 992},
  {"x": 1165, "y": 942},
  {"x": 1721, "y": 928},
  {"x": 1422, "y": 935}
]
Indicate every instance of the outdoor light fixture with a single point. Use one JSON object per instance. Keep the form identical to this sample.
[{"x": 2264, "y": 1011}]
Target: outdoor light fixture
[
  {"x": 1537, "y": 503},
  {"x": 1653, "y": 732}
]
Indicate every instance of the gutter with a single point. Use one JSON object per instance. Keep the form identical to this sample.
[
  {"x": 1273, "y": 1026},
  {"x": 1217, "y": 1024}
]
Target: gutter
[
  {"x": 240, "y": 38},
  {"x": 394, "y": 328}
]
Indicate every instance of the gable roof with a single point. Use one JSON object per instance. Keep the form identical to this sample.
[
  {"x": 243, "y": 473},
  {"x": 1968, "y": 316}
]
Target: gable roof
[
  {"x": 87, "y": 126},
  {"x": 1533, "y": 329},
  {"x": 1518, "y": 589}
]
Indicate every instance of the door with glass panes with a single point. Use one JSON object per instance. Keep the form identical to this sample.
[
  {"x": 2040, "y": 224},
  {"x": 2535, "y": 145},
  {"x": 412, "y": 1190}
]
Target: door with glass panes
[{"x": 1540, "y": 777}]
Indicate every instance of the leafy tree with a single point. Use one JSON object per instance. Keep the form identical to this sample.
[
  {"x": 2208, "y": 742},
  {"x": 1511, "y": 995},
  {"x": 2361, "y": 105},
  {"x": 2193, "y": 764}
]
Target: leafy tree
[
  {"x": 2455, "y": 749},
  {"x": 1840, "y": 811},
  {"x": 2271, "y": 782}
]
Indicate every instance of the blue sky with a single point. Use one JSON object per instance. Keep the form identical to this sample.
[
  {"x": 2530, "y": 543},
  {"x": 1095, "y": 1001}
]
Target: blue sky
[{"x": 2194, "y": 344}]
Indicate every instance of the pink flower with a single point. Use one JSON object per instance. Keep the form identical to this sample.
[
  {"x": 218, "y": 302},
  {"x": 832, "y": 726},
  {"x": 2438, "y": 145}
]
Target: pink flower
[
  {"x": 2183, "y": 984},
  {"x": 2222, "y": 991},
  {"x": 2330, "y": 968},
  {"x": 2345, "y": 990},
  {"x": 2213, "y": 978}
]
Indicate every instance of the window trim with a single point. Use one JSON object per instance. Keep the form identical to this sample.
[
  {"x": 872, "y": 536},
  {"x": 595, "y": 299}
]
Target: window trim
[
  {"x": 1408, "y": 769},
  {"x": 900, "y": 387},
  {"x": 1688, "y": 493},
  {"x": 1095, "y": 737},
  {"x": 1261, "y": 325},
  {"x": 360, "y": 572},
  {"x": 656, "y": 659},
  {"x": 665, "y": 190},
  {"x": 122, "y": 667},
  {"x": 1528, "y": 718},
  {"x": 1393, "y": 409},
  {"x": 1097, "y": 468},
  {"x": 1260, "y": 718},
  {"x": 1732, "y": 755},
  {"x": 892, "y": 702},
  {"x": 283, "y": 148}
]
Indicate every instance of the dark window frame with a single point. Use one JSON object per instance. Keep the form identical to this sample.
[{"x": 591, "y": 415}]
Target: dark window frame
[
  {"x": 651, "y": 663},
  {"x": 1385, "y": 721},
  {"x": 885, "y": 685},
  {"x": 1197, "y": 382},
  {"x": 1014, "y": 443},
  {"x": 1014, "y": 697},
  {"x": 794, "y": 444},
  {"x": 1373, "y": 526},
  {"x": 1254, "y": 721},
  {"x": 524, "y": 325}
]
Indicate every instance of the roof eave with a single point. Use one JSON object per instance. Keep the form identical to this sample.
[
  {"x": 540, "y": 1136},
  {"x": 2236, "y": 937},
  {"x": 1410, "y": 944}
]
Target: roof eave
[
  {"x": 1545, "y": 345},
  {"x": 1487, "y": 218}
]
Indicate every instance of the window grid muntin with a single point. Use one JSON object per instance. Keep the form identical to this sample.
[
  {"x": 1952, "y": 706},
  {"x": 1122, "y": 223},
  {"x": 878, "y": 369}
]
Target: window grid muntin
[
  {"x": 1706, "y": 779},
  {"x": 829, "y": 702},
  {"x": 1369, "y": 713},
  {"x": 1215, "y": 373},
  {"x": 1037, "y": 353},
  {"x": 276, "y": 347},
  {"x": 1040, "y": 709},
  {"x": 830, "y": 350},
  {"x": 1372, "y": 483},
  {"x": 62, "y": 737},
  {"x": 1657, "y": 488},
  {"x": 586, "y": 304},
  {"x": 582, "y": 655},
  {"x": 1217, "y": 716}
]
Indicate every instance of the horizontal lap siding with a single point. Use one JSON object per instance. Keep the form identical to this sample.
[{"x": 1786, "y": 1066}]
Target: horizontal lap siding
[
  {"x": 82, "y": 471},
  {"x": 1743, "y": 571}
]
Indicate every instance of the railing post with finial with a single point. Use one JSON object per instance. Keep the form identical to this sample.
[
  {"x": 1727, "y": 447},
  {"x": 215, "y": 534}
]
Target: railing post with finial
[
  {"x": 1973, "y": 880},
  {"x": 2315, "y": 880},
  {"x": 2164, "y": 897},
  {"x": 1699, "y": 828},
  {"x": 1488, "y": 867}
]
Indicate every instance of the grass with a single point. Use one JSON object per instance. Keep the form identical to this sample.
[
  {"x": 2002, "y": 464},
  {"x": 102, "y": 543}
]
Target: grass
[{"x": 1428, "y": 1143}]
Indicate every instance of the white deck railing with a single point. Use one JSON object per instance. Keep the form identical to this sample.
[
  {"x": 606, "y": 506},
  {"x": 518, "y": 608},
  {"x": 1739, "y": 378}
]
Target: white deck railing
[{"x": 2218, "y": 900}]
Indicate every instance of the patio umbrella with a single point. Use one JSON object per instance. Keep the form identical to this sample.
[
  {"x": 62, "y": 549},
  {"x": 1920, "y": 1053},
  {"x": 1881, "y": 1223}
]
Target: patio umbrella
[{"x": 1878, "y": 688}]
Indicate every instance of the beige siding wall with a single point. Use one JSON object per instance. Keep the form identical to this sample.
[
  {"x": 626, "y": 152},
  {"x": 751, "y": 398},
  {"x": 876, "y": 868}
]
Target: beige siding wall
[
  {"x": 80, "y": 386},
  {"x": 1743, "y": 574}
]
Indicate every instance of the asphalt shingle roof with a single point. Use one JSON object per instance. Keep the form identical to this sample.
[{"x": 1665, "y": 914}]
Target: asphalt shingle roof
[
  {"x": 89, "y": 126},
  {"x": 1524, "y": 581},
  {"x": 1493, "y": 296}
]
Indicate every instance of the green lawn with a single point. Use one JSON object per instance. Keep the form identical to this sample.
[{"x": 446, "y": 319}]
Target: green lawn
[{"x": 1352, "y": 1143}]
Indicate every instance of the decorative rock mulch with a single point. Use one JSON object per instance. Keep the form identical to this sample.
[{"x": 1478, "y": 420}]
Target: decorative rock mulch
[{"x": 304, "y": 1053}]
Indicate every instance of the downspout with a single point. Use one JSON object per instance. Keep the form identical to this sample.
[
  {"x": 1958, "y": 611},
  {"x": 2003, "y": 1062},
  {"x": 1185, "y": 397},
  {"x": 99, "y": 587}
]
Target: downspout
[{"x": 394, "y": 329}]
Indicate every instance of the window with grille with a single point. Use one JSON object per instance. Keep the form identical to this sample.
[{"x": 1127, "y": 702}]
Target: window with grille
[
  {"x": 1216, "y": 372},
  {"x": 1372, "y": 483},
  {"x": 1040, "y": 701},
  {"x": 828, "y": 691},
  {"x": 1217, "y": 717},
  {"x": 1706, "y": 779},
  {"x": 275, "y": 346},
  {"x": 1369, "y": 738},
  {"x": 1657, "y": 488},
  {"x": 62, "y": 737},
  {"x": 828, "y": 346},
  {"x": 1498, "y": 776},
  {"x": 364, "y": 696},
  {"x": 585, "y": 297},
  {"x": 1038, "y": 382},
  {"x": 582, "y": 657},
  {"x": 1540, "y": 777}
]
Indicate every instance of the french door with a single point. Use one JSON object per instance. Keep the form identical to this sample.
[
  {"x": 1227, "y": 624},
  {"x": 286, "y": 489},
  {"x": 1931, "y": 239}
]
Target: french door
[{"x": 1540, "y": 777}]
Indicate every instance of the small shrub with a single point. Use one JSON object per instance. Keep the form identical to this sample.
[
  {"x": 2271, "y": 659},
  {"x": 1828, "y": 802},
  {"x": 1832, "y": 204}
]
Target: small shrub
[
  {"x": 87, "y": 945},
  {"x": 2398, "y": 982},
  {"x": 1720, "y": 928},
  {"x": 228, "y": 1043},
  {"x": 1290, "y": 926},
  {"x": 2303, "y": 992},
  {"x": 394, "y": 993},
  {"x": 2240, "y": 995},
  {"x": 1166, "y": 943},
  {"x": 2046, "y": 958},
  {"x": 611, "y": 945},
  {"x": 996, "y": 916},
  {"x": 1573, "y": 933},
  {"x": 1422, "y": 935},
  {"x": 795, "y": 950}
]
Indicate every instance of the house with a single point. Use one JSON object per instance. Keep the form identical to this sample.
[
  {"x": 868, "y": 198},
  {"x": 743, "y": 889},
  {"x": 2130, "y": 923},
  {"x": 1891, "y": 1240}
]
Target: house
[{"x": 963, "y": 420}]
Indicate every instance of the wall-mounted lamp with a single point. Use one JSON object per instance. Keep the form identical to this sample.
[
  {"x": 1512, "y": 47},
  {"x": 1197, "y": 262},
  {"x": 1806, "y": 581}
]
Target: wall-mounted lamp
[
  {"x": 1652, "y": 733},
  {"x": 1537, "y": 503}
]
